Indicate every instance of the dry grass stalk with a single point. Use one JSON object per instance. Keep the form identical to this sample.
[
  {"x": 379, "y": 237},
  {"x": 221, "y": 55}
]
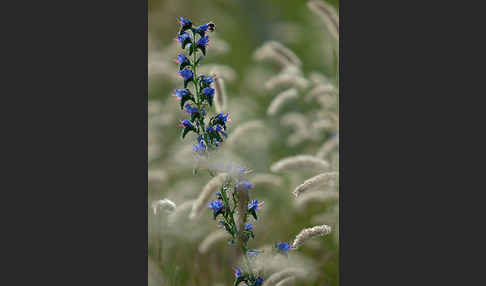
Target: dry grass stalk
[
  {"x": 327, "y": 147},
  {"x": 327, "y": 14},
  {"x": 243, "y": 129},
  {"x": 267, "y": 179},
  {"x": 220, "y": 99},
  {"x": 278, "y": 276},
  {"x": 280, "y": 100},
  {"x": 309, "y": 233},
  {"x": 318, "y": 180},
  {"x": 165, "y": 204},
  {"x": 317, "y": 196},
  {"x": 211, "y": 239},
  {"x": 299, "y": 161}
]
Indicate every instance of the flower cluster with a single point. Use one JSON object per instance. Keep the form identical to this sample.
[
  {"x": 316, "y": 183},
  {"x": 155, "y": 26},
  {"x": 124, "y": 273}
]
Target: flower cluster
[{"x": 211, "y": 132}]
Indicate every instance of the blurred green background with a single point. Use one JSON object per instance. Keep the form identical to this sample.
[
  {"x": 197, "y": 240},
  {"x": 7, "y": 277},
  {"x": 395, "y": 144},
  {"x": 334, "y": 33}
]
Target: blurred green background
[{"x": 244, "y": 25}]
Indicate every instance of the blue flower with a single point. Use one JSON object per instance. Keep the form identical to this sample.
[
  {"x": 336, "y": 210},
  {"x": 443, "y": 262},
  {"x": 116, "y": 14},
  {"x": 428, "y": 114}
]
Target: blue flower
[
  {"x": 244, "y": 185},
  {"x": 222, "y": 117},
  {"x": 200, "y": 147},
  {"x": 217, "y": 207},
  {"x": 203, "y": 42},
  {"x": 183, "y": 61},
  {"x": 248, "y": 227},
  {"x": 209, "y": 92},
  {"x": 190, "y": 110},
  {"x": 206, "y": 80},
  {"x": 185, "y": 24},
  {"x": 184, "y": 39},
  {"x": 254, "y": 205},
  {"x": 258, "y": 281},
  {"x": 238, "y": 272},
  {"x": 201, "y": 30},
  {"x": 186, "y": 124},
  {"x": 187, "y": 75},
  {"x": 283, "y": 247},
  {"x": 180, "y": 93}
]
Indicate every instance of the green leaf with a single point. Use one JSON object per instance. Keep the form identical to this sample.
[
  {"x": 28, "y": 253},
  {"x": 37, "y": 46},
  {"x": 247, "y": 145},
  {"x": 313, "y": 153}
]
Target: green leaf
[
  {"x": 198, "y": 60},
  {"x": 253, "y": 213},
  {"x": 184, "y": 132},
  {"x": 203, "y": 50}
]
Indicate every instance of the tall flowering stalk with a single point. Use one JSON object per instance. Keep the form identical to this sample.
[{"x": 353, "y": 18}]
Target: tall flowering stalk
[{"x": 232, "y": 205}]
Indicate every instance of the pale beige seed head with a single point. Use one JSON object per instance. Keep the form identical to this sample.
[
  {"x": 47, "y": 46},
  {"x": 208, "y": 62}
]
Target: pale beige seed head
[
  {"x": 266, "y": 179},
  {"x": 327, "y": 147},
  {"x": 286, "y": 282},
  {"x": 185, "y": 206},
  {"x": 329, "y": 178},
  {"x": 280, "y": 100},
  {"x": 211, "y": 239},
  {"x": 315, "y": 196},
  {"x": 285, "y": 273},
  {"x": 164, "y": 204},
  {"x": 309, "y": 233},
  {"x": 243, "y": 129},
  {"x": 298, "y": 162},
  {"x": 286, "y": 80},
  {"x": 327, "y": 14},
  {"x": 220, "y": 100}
]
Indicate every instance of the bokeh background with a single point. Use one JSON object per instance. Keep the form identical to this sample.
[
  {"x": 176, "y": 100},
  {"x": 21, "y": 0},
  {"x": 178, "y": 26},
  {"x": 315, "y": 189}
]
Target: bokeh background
[{"x": 307, "y": 124}]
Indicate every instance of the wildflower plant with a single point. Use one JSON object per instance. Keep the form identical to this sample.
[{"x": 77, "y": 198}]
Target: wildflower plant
[{"x": 232, "y": 207}]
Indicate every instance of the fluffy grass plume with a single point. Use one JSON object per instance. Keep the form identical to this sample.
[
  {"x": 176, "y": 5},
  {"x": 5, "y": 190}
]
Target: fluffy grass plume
[
  {"x": 278, "y": 53},
  {"x": 327, "y": 147},
  {"x": 318, "y": 180},
  {"x": 165, "y": 204},
  {"x": 280, "y": 100},
  {"x": 283, "y": 274},
  {"x": 317, "y": 196},
  {"x": 244, "y": 129},
  {"x": 286, "y": 282},
  {"x": 309, "y": 233},
  {"x": 211, "y": 239},
  {"x": 327, "y": 14},
  {"x": 267, "y": 179},
  {"x": 297, "y": 162},
  {"x": 220, "y": 100}
]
